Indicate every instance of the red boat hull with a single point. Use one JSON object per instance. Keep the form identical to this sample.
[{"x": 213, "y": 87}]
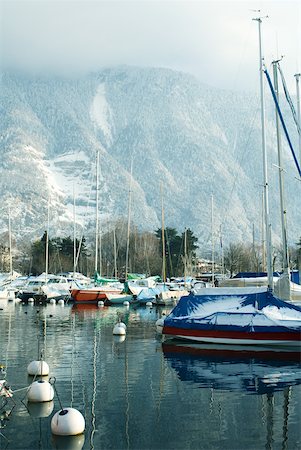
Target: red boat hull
[
  {"x": 238, "y": 337},
  {"x": 89, "y": 295}
]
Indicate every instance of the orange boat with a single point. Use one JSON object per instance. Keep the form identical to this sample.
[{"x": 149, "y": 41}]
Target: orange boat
[{"x": 93, "y": 294}]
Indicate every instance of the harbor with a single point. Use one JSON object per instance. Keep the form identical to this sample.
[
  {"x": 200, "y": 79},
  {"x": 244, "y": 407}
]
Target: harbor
[
  {"x": 139, "y": 391},
  {"x": 150, "y": 248}
]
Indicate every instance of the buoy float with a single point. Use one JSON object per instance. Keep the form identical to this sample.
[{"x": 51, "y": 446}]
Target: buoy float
[
  {"x": 67, "y": 422},
  {"x": 40, "y": 391},
  {"x": 61, "y": 302},
  {"x": 126, "y": 303},
  {"x": 52, "y": 301},
  {"x": 38, "y": 368},
  {"x": 40, "y": 409},
  {"x": 149, "y": 304},
  {"x": 31, "y": 300},
  {"x": 100, "y": 303},
  {"x": 119, "y": 329}
]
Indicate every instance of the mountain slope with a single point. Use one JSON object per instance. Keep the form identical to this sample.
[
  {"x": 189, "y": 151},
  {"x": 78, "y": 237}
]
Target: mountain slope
[{"x": 195, "y": 140}]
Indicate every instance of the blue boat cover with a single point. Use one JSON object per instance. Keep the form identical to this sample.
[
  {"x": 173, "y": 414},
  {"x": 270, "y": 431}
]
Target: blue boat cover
[{"x": 235, "y": 309}]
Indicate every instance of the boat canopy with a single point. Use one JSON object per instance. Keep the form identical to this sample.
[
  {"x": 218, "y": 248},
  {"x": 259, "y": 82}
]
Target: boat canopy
[
  {"x": 229, "y": 308},
  {"x": 254, "y": 274}
]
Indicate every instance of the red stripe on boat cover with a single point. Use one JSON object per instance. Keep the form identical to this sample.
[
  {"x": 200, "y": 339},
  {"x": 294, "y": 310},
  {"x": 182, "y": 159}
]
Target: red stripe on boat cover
[{"x": 276, "y": 336}]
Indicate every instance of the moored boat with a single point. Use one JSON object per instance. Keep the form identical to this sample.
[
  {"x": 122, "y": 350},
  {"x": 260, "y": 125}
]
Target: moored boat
[
  {"x": 117, "y": 299},
  {"x": 244, "y": 316},
  {"x": 95, "y": 294}
]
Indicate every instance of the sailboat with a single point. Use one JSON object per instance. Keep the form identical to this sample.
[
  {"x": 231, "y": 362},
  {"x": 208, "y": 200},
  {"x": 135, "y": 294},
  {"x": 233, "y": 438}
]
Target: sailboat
[
  {"x": 7, "y": 290},
  {"x": 110, "y": 291},
  {"x": 245, "y": 316}
]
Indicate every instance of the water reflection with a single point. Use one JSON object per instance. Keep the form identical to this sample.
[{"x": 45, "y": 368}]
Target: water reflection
[
  {"x": 259, "y": 371},
  {"x": 68, "y": 442},
  {"x": 39, "y": 410},
  {"x": 135, "y": 396},
  {"x": 252, "y": 370}
]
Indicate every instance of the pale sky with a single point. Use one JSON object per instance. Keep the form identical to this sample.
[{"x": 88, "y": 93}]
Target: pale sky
[{"x": 217, "y": 41}]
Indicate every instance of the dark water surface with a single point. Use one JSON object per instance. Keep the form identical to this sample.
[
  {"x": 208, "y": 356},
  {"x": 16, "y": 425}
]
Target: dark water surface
[{"x": 140, "y": 393}]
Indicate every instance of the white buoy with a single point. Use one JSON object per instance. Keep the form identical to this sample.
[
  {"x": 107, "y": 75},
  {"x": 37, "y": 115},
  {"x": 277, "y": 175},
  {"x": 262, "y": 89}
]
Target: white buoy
[
  {"x": 52, "y": 301},
  {"x": 100, "y": 303},
  {"x": 149, "y": 304},
  {"x": 31, "y": 300},
  {"x": 67, "y": 422},
  {"x": 38, "y": 368},
  {"x": 40, "y": 409},
  {"x": 119, "y": 329},
  {"x": 40, "y": 391},
  {"x": 61, "y": 302},
  {"x": 126, "y": 303}
]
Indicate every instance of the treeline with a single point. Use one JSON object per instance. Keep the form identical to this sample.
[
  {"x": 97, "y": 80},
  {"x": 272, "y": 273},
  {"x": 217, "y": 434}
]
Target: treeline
[
  {"x": 248, "y": 258},
  {"x": 144, "y": 249},
  {"x": 145, "y": 254}
]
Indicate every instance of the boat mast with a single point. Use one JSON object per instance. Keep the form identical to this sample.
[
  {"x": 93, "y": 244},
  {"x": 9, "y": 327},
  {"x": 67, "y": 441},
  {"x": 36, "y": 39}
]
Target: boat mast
[
  {"x": 47, "y": 243},
  {"x": 285, "y": 258},
  {"x": 163, "y": 237},
  {"x": 222, "y": 250},
  {"x": 96, "y": 212},
  {"x": 10, "y": 245},
  {"x": 265, "y": 171},
  {"x": 74, "y": 233},
  {"x": 212, "y": 239},
  {"x": 262, "y": 234},
  {"x": 129, "y": 224},
  {"x": 297, "y": 76},
  {"x": 185, "y": 256},
  {"x": 115, "y": 252}
]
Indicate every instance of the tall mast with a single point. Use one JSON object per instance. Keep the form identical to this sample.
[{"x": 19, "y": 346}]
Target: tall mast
[
  {"x": 212, "y": 239},
  {"x": 265, "y": 171},
  {"x": 47, "y": 243},
  {"x": 285, "y": 257},
  {"x": 185, "y": 256},
  {"x": 262, "y": 234},
  {"x": 115, "y": 252},
  {"x": 74, "y": 233},
  {"x": 10, "y": 245},
  {"x": 96, "y": 213},
  {"x": 222, "y": 250},
  {"x": 297, "y": 76},
  {"x": 129, "y": 224},
  {"x": 163, "y": 237}
]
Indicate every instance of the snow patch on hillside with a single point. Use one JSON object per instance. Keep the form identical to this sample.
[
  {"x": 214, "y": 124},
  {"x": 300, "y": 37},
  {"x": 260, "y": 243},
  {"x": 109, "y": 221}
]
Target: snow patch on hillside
[{"x": 100, "y": 112}]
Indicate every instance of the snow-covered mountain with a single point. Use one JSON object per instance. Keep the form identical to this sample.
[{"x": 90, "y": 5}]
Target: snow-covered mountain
[{"x": 195, "y": 140}]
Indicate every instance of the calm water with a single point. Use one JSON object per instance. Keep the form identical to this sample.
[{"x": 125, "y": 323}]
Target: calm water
[{"x": 140, "y": 393}]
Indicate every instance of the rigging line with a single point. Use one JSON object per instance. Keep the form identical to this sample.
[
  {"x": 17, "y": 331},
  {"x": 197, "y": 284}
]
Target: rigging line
[
  {"x": 289, "y": 100},
  {"x": 282, "y": 120}
]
